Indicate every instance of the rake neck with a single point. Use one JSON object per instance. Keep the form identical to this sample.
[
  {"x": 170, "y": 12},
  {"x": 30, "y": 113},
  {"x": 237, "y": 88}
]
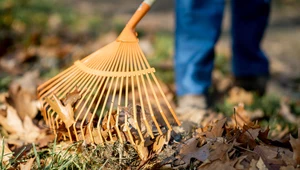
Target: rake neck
[{"x": 129, "y": 33}]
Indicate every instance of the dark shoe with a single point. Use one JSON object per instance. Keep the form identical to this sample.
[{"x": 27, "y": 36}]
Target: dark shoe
[{"x": 252, "y": 83}]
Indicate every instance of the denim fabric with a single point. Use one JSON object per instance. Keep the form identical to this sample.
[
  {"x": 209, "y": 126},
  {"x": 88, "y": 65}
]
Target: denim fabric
[{"x": 198, "y": 27}]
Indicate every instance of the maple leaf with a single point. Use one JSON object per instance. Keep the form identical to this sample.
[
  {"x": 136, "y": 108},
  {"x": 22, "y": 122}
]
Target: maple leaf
[
  {"x": 219, "y": 151},
  {"x": 296, "y": 147},
  {"x": 217, "y": 129},
  {"x": 190, "y": 150}
]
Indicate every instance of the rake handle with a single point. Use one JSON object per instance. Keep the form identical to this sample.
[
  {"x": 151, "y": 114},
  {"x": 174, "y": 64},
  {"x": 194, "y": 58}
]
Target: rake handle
[
  {"x": 128, "y": 34},
  {"x": 140, "y": 13}
]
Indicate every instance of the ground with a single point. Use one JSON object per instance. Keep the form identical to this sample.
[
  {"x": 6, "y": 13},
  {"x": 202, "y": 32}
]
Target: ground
[{"x": 40, "y": 38}]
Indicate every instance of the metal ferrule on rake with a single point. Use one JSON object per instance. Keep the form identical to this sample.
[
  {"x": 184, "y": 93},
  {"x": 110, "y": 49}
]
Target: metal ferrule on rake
[{"x": 110, "y": 95}]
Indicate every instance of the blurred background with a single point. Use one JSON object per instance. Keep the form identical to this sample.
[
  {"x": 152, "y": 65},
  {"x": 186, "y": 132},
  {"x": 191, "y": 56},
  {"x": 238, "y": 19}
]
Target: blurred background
[{"x": 40, "y": 38}]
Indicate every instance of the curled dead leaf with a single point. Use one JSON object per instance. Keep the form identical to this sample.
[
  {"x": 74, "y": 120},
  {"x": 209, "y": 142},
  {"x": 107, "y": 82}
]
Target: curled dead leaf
[
  {"x": 142, "y": 151},
  {"x": 65, "y": 113}
]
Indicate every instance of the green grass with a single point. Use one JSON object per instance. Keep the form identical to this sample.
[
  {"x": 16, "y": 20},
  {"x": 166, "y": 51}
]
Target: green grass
[{"x": 60, "y": 156}]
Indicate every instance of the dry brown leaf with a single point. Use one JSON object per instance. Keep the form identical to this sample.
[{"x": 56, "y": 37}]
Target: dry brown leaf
[
  {"x": 252, "y": 165},
  {"x": 238, "y": 164},
  {"x": 219, "y": 151},
  {"x": 290, "y": 167},
  {"x": 142, "y": 151},
  {"x": 218, "y": 164},
  {"x": 72, "y": 97},
  {"x": 271, "y": 156},
  {"x": 242, "y": 117},
  {"x": 261, "y": 165},
  {"x": 217, "y": 129},
  {"x": 23, "y": 101},
  {"x": 27, "y": 165},
  {"x": 190, "y": 150},
  {"x": 239, "y": 95},
  {"x": 28, "y": 82},
  {"x": 7, "y": 153},
  {"x": 65, "y": 113},
  {"x": 160, "y": 141},
  {"x": 19, "y": 131},
  {"x": 295, "y": 143},
  {"x": 30, "y": 131},
  {"x": 248, "y": 137},
  {"x": 11, "y": 123},
  {"x": 44, "y": 140}
]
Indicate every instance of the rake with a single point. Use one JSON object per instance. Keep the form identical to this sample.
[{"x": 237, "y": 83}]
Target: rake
[{"x": 112, "y": 94}]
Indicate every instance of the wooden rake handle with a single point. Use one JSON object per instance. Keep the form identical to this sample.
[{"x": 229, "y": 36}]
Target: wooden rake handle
[{"x": 128, "y": 33}]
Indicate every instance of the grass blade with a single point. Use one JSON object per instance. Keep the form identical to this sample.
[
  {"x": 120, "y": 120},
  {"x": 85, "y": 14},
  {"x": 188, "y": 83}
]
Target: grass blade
[{"x": 37, "y": 158}]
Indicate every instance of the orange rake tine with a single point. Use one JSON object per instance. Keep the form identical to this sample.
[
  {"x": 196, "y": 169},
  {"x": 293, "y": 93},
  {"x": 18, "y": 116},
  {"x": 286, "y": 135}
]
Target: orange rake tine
[{"x": 96, "y": 88}]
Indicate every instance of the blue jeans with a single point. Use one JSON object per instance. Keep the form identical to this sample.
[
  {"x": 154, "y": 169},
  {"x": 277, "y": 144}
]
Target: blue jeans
[{"x": 198, "y": 27}]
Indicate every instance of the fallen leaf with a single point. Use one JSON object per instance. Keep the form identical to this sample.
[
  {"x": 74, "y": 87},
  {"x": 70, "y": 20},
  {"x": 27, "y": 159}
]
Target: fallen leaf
[
  {"x": 218, "y": 164},
  {"x": 190, "y": 150},
  {"x": 72, "y": 97},
  {"x": 27, "y": 165},
  {"x": 217, "y": 129},
  {"x": 7, "y": 153},
  {"x": 296, "y": 147},
  {"x": 261, "y": 165},
  {"x": 30, "y": 131},
  {"x": 142, "y": 151},
  {"x": 248, "y": 138},
  {"x": 11, "y": 123},
  {"x": 242, "y": 117},
  {"x": 28, "y": 82},
  {"x": 270, "y": 156},
  {"x": 219, "y": 151},
  {"x": 65, "y": 113},
  {"x": 23, "y": 101},
  {"x": 160, "y": 141}
]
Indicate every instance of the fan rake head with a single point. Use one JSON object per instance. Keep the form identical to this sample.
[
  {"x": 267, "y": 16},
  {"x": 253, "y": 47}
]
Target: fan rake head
[{"x": 110, "y": 95}]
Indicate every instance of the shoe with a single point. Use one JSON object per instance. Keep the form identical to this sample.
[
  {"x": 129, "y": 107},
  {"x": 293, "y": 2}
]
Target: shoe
[
  {"x": 257, "y": 84},
  {"x": 192, "y": 101},
  {"x": 191, "y": 110}
]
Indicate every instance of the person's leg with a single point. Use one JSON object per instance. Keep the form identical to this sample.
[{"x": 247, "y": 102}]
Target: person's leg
[
  {"x": 198, "y": 25},
  {"x": 249, "y": 21}
]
